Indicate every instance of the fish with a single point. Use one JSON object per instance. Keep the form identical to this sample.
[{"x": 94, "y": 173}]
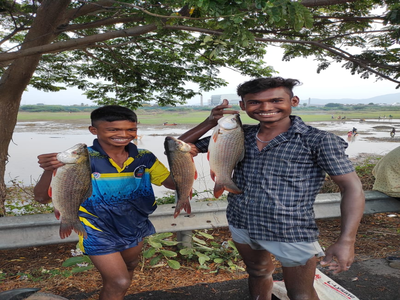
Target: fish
[
  {"x": 225, "y": 151},
  {"x": 70, "y": 186},
  {"x": 183, "y": 172}
]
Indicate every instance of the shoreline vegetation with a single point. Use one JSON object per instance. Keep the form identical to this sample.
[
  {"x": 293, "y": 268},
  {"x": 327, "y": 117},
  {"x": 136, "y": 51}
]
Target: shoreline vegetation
[{"x": 188, "y": 115}]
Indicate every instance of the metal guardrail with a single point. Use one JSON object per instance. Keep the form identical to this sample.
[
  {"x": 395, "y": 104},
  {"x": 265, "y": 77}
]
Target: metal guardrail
[{"x": 43, "y": 229}]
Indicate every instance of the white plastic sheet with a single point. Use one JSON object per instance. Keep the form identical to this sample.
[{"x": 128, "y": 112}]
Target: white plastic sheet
[{"x": 327, "y": 289}]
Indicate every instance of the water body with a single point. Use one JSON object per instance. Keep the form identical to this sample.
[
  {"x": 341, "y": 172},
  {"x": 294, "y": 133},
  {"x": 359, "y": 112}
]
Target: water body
[{"x": 33, "y": 138}]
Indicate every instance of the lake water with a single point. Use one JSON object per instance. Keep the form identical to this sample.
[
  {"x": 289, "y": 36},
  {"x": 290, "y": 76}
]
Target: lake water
[{"x": 33, "y": 138}]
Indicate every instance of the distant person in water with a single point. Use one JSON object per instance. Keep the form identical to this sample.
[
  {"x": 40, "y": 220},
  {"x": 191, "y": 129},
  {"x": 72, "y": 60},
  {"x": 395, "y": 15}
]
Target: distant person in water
[{"x": 393, "y": 132}]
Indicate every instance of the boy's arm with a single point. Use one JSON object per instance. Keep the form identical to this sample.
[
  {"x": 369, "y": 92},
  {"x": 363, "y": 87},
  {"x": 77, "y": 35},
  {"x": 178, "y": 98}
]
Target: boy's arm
[
  {"x": 49, "y": 163},
  {"x": 217, "y": 113},
  {"x": 352, "y": 209},
  {"x": 169, "y": 183}
]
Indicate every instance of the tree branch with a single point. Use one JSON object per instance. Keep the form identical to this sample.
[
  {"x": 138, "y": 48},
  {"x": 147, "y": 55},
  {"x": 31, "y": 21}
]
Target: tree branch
[
  {"x": 337, "y": 52},
  {"x": 315, "y": 3},
  {"x": 78, "y": 43}
]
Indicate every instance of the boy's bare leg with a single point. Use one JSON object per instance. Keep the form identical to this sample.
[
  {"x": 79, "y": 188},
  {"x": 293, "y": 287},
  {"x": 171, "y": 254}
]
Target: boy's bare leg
[
  {"x": 299, "y": 281},
  {"x": 260, "y": 267},
  {"x": 116, "y": 270}
]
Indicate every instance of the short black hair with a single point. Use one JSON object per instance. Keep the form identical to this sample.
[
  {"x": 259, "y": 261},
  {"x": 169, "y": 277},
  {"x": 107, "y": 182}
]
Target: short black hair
[
  {"x": 261, "y": 84},
  {"x": 111, "y": 113}
]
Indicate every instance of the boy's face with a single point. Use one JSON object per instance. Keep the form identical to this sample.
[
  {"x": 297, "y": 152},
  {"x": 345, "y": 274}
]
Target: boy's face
[
  {"x": 116, "y": 133},
  {"x": 271, "y": 105}
]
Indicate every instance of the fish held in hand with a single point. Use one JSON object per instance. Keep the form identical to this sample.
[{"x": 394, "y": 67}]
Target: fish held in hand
[
  {"x": 225, "y": 150},
  {"x": 183, "y": 171},
  {"x": 70, "y": 186}
]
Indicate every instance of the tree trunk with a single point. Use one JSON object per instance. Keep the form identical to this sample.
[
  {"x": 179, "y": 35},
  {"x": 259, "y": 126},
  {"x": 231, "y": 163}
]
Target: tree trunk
[{"x": 16, "y": 78}]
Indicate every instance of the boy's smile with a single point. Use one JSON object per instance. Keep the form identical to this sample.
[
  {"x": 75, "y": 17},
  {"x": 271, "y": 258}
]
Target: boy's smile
[
  {"x": 116, "y": 133},
  {"x": 271, "y": 105}
]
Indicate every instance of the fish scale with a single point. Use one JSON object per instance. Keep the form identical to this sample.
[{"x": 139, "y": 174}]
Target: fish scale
[
  {"x": 183, "y": 171},
  {"x": 225, "y": 150},
  {"x": 70, "y": 186}
]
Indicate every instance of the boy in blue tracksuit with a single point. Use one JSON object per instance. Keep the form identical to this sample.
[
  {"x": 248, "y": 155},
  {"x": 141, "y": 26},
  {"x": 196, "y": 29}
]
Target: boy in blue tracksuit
[{"x": 115, "y": 216}]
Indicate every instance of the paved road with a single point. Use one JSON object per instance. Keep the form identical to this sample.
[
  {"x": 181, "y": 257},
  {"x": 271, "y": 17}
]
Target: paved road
[{"x": 368, "y": 280}]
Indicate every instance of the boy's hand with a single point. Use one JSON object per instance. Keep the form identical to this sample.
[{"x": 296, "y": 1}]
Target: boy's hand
[
  {"x": 194, "y": 151},
  {"x": 49, "y": 161},
  {"x": 219, "y": 111},
  {"x": 344, "y": 254}
]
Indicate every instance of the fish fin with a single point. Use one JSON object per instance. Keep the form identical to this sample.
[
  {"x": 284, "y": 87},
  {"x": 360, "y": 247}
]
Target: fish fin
[
  {"x": 54, "y": 172},
  {"x": 218, "y": 190},
  {"x": 182, "y": 205},
  {"x": 65, "y": 230},
  {"x": 241, "y": 156},
  {"x": 195, "y": 174},
  {"x": 208, "y": 155},
  {"x": 232, "y": 188},
  {"x": 177, "y": 210},
  {"x": 50, "y": 192},
  {"x": 79, "y": 229},
  {"x": 215, "y": 136},
  {"x": 187, "y": 208},
  {"x": 212, "y": 174},
  {"x": 88, "y": 192},
  {"x": 57, "y": 213}
]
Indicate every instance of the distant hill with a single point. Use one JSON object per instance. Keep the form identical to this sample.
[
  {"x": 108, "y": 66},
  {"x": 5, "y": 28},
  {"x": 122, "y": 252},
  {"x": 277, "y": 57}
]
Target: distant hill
[{"x": 384, "y": 99}]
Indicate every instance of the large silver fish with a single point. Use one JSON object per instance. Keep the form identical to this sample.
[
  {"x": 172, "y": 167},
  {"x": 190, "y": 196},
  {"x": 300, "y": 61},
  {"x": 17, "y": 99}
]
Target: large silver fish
[
  {"x": 225, "y": 150},
  {"x": 183, "y": 171},
  {"x": 71, "y": 185}
]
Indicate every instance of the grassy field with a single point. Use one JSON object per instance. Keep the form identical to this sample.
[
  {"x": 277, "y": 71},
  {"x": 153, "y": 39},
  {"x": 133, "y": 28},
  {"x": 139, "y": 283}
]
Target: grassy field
[{"x": 195, "y": 117}]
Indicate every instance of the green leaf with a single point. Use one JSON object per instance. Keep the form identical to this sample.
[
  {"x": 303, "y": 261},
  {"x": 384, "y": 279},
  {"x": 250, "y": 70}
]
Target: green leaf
[
  {"x": 169, "y": 243},
  {"x": 232, "y": 244},
  {"x": 174, "y": 264},
  {"x": 155, "y": 244},
  {"x": 168, "y": 253},
  {"x": 149, "y": 253},
  {"x": 155, "y": 260},
  {"x": 202, "y": 259},
  {"x": 81, "y": 269},
  {"x": 163, "y": 235},
  {"x": 206, "y": 235},
  {"x": 199, "y": 240},
  {"x": 218, "y": 260},
  {"x": 186, "y": 251},
  {"x": 73, "y": 261}
]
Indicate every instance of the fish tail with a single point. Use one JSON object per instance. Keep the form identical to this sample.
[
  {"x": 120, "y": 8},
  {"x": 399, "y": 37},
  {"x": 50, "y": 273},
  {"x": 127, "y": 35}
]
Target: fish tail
[
  {"x": 218, "y": 190},
  {"x": 79, "y": 229},
  {"x": 57, "y": 214},
  {"x": 67, "y": 227},
  {"x": 178, "y": 208},
  {"x": 185, "y": 206},
  {"x": 232, "y": 188}
]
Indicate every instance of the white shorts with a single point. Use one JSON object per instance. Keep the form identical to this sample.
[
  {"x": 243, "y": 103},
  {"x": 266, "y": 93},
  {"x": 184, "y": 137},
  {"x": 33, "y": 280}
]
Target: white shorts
[{"x": 289, "y": 254}]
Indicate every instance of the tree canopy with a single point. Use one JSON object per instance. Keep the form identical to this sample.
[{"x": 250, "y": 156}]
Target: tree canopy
[
  {"x": 131, "y": 51},
  {"x": 128, "y": 52}
]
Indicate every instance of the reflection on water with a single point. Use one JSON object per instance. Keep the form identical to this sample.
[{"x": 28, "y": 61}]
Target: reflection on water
[{"x": 28, "y": 144}]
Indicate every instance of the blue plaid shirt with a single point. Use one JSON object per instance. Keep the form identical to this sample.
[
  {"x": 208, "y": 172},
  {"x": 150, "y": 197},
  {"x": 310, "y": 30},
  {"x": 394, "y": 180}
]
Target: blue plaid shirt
[{"x": 280, "y": 183}]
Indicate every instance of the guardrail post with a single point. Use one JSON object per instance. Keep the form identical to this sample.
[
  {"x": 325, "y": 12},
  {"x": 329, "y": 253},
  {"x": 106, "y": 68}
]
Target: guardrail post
[{"x": 185, "y": 238}]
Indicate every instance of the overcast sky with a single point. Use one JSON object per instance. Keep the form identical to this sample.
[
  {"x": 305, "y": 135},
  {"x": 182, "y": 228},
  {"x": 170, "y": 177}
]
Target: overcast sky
[{"x": 333, "y": 83}]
